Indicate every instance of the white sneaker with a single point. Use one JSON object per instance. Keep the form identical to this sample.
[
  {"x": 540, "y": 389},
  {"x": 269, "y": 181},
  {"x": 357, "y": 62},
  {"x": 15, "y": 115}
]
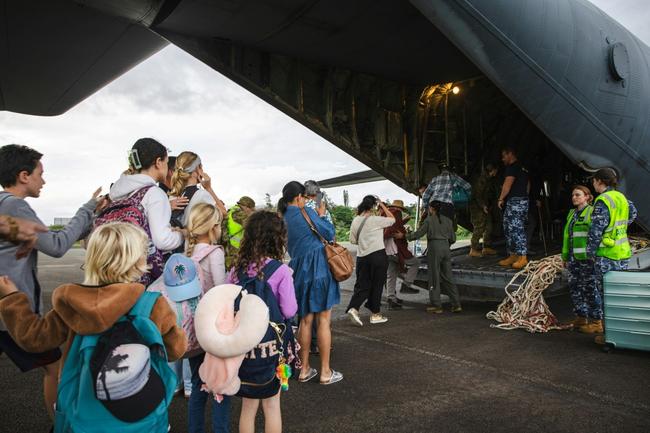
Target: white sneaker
[
  {"x": 354, "y": 317},
  {"x": 378, "y": 318}
]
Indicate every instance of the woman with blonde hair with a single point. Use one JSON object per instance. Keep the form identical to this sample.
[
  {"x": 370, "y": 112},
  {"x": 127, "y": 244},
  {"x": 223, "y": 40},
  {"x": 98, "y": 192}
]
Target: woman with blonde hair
[
  {"x": 204, "y": 230},
  {"x": 190, "y": 181},
  {"x": 115, "y": 260}
]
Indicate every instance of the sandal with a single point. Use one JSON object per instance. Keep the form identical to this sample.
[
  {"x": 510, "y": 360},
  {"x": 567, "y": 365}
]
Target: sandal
[
  {"x": 310, "y": 375},
  {"x": 335, "y": 377}
]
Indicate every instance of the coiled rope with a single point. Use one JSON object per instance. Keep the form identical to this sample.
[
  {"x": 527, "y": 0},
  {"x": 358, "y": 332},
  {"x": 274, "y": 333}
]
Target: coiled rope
[{"x": 524, "y": 306}]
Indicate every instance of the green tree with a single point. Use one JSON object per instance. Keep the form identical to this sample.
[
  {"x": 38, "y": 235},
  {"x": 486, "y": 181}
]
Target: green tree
[{"x": 342, "y": 216}]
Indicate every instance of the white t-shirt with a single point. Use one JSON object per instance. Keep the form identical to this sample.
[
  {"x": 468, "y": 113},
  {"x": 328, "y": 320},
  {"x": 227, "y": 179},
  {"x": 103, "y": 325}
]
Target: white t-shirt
[{"x": 372, "y": 233}]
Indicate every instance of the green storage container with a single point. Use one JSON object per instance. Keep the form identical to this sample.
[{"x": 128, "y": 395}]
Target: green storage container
[{"x": 627, "y": 310}]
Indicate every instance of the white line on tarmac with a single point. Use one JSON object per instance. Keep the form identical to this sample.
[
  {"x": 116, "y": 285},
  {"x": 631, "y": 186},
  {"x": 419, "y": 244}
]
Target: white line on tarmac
[{"x": 604, "y": 398}]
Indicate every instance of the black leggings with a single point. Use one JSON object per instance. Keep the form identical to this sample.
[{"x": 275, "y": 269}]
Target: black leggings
[{"x": 371, "y": 277}]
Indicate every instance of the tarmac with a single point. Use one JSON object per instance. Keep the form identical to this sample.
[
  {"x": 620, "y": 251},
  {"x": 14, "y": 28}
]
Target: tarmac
[{"x": 422, "y": 373}]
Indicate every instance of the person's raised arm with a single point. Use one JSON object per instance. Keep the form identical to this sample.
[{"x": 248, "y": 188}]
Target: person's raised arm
[
  {"x": 57, "y": 243},
  {"x": 384, "y": 209},
  {"x": 30, "y": 331},
  {"x": 21, "y": 232}
]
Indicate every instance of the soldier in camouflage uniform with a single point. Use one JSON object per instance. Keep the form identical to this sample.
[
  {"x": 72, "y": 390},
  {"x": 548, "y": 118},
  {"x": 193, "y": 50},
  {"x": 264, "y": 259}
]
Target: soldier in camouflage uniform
[
  {"x": 483, "y": 195},
  {"x": 582, "y": 287},
  {"x": 607, "y": 242},
  {"x": 514, "y": 197},
  {"x": 232, "y": 228}
]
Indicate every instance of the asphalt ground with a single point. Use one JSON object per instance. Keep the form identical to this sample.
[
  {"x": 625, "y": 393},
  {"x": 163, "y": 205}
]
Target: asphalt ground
[{"x": 422, "y": 373}]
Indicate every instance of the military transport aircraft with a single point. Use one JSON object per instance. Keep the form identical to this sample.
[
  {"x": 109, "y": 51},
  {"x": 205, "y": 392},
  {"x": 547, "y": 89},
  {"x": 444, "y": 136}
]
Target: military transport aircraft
[{"x": 403, "y": 86}]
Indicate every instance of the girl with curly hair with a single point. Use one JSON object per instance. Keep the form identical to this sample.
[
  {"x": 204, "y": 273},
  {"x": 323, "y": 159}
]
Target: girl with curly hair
[{"x": 263, "y": 247}]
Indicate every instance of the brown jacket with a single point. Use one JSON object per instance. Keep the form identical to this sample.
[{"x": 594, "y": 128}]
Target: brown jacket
[{"x": 84, "y": 310}]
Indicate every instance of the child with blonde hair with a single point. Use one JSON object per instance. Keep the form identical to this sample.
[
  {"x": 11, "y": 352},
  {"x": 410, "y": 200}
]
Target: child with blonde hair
[
  {"x": 190, "y": 181},
  {"x": 115, "y": 260},
  {"x": 204, "y": 231}
]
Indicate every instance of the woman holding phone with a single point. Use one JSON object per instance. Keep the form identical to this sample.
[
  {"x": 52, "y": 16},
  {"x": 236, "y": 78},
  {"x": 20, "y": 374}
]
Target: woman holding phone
[
  {"x": 190, "y": 181},
  {"x": 367, "y": 232}
]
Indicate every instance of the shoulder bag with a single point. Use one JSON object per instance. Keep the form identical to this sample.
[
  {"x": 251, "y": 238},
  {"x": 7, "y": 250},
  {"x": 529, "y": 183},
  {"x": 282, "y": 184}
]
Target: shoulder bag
[{"x": 339, "y": 258}]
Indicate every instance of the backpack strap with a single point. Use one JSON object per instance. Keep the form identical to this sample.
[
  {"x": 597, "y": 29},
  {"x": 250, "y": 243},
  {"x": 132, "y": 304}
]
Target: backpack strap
[
  {"x": 204, "y": 253},
  {"x": 139, "y": 194},
  {"x": 270, "y": 268},
  {"x": 145, "y": 304}
]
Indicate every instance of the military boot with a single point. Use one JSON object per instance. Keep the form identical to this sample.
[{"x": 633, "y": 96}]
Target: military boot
[
  {"x": 508, "y": 260},
  {"x": 593, "y": 327},
  {"x": 487, "y": 251},
  {"x": 521, "y": 262},
  {"x": 474, "y": 253},
  {"x": 578, "y": 322}
]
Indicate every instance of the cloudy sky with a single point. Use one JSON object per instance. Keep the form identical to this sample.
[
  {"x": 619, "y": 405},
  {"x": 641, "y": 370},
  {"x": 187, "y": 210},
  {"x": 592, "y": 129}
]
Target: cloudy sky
[{"x": 247, "y": 146}]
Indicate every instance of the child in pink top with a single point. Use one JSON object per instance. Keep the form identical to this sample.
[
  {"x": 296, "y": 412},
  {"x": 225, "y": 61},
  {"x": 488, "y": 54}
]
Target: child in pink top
[
  {"x": 204, "y": 230},
  {"x": 265, "y": 237}
]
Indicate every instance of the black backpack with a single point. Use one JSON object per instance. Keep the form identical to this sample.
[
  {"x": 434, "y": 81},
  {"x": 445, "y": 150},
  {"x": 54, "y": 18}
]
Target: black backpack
[{"x": 258, "y": 370}]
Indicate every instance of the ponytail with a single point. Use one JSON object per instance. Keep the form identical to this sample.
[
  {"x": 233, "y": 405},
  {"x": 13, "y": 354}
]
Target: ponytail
[
  {"x": 289, "y": 193},
  {"x": 186, "y": 164},
  {"x": 282, "y": 205}
]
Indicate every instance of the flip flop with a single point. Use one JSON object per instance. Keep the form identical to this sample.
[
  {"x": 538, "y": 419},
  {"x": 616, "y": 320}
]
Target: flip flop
[
  {"x": 335, "y": 377},
  {"x": 310, "y": 375}
]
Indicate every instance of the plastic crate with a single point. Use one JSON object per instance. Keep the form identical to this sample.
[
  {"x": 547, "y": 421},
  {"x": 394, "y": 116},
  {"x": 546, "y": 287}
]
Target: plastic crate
[{"x": 627, "y": 310}]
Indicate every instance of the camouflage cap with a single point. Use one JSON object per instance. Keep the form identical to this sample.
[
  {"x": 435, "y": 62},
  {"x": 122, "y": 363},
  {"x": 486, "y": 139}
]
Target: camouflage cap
[{"x": 246, "y": 201}]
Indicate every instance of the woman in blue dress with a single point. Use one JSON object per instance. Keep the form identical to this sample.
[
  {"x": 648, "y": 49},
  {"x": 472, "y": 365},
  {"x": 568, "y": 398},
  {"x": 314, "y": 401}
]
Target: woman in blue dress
[{"x": 316, "y": 290}]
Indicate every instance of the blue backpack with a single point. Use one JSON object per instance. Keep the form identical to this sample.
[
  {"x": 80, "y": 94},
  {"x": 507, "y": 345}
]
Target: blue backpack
[
  {"x": 258, "y": 370},
  {"x": 78, "y": 408}
]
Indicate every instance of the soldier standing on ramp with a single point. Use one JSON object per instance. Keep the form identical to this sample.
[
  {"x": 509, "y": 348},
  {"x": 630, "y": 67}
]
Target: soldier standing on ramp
[{"x": 483, "y": 196}]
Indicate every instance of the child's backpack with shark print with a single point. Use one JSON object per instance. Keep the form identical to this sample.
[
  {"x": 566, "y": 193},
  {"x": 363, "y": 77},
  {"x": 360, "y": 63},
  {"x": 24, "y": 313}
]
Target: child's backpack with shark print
[{"x": 119, "y": 380}]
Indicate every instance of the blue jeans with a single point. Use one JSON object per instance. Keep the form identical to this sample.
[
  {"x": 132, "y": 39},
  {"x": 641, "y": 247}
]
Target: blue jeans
[
  {"x": 196, "y": 407},
  {"x": 183, "y": 374}
]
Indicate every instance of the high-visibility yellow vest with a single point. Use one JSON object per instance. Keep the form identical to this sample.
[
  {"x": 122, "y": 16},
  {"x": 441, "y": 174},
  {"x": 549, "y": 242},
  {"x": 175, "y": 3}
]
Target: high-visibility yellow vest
[
  {"x": 235, "y": 230},
  {"x": 578, "y": 235},
  {"x": 615, "y": 244}
]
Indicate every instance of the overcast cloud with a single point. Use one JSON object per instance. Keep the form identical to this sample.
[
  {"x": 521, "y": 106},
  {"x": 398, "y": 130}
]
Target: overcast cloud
[{"x": 247, "y": 146}]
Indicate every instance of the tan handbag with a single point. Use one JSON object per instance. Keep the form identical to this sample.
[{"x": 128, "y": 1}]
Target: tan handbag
[{"x": 339, "y": 258}]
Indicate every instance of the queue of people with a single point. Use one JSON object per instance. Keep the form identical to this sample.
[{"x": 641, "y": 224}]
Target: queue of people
[
  {"x": 161, "y": 240},
  {"x": 159, "y": 233}
]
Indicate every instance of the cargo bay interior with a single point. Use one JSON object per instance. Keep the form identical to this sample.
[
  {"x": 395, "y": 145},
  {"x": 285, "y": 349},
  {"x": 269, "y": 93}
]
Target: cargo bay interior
[{"x": 402, "y": 101}]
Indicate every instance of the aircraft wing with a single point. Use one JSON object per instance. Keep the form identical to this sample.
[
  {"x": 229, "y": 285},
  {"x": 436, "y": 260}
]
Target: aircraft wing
[{"x": 56, "y": 53}]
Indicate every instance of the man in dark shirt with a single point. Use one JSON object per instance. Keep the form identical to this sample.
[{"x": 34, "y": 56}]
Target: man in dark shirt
[{"x": 513, "y": 199}]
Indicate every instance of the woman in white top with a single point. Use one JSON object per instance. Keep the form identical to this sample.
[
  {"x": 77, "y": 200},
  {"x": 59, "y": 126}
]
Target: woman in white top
[
  {"x": 147, "y": 168},
  {"x": 367, "y": 232},
  {"x": 190, "y": 181}
]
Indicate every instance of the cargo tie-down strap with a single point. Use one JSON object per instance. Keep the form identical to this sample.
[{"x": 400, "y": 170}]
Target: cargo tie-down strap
[{"x": 524, "y": 306}]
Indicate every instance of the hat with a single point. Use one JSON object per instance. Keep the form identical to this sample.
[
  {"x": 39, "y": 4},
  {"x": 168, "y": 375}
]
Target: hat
[
  {"x": 124, "y": 381},
  {"x": 225, "y": 333},
  {"x": 181, "y": 278},
  {"x": 398, "y": 204},
  {"x": 246, "y": 201},
  {"x": 606, "y": 174}
]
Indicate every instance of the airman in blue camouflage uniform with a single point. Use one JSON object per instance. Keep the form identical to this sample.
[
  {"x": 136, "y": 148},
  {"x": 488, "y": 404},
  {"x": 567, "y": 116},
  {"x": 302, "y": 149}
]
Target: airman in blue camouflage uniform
[
  {"x": 607, "y": 242},
  {"x": 582, "y": 287}
]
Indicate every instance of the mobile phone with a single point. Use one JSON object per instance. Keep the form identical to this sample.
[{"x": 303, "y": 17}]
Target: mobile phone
[{"x": 319, "y": 199}]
